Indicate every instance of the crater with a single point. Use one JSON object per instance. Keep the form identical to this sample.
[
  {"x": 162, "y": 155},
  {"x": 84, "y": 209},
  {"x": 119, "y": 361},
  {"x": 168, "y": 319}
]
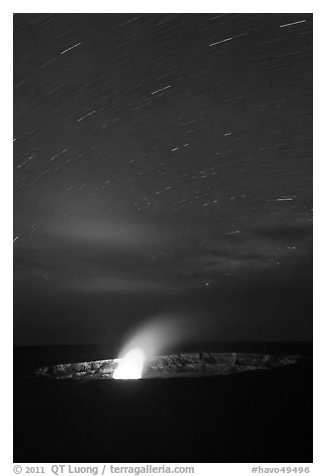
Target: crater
[{"x": 197, "y": 364}]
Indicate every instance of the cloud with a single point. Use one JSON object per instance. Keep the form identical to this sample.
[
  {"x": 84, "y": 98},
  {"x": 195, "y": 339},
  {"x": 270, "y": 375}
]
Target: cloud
[
  {"x": 109, "y": 232},
  {"x": 285, "y": 232},
  {"x": 255, "y": 250},
  {"x": 214, "y": 264},
  {"x": 120, "y": 284},
  {"x": 116, "y": 255}
]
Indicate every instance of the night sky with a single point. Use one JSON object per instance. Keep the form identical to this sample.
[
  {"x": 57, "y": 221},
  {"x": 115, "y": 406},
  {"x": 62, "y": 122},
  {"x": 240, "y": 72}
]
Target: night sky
[{"x": 162, "y": 162}]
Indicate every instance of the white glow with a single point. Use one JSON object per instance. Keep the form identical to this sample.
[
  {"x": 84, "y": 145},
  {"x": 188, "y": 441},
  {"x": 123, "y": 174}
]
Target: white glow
[{"x": 131, "y": 365}]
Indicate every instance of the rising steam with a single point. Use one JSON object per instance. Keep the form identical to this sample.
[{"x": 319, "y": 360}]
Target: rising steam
[{"x": 158, "y": 335}]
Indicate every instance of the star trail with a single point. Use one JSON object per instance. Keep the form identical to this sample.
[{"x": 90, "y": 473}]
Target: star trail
[{"x": 162, "y": 160}]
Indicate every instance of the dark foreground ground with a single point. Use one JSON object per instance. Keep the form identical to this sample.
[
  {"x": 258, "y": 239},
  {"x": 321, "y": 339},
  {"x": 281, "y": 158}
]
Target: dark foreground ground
[{"x": 261, "y": 416}]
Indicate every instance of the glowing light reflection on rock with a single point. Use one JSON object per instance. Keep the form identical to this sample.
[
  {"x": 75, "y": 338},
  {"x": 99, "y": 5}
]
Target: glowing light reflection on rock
[{"x": 131, "y": 365}]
